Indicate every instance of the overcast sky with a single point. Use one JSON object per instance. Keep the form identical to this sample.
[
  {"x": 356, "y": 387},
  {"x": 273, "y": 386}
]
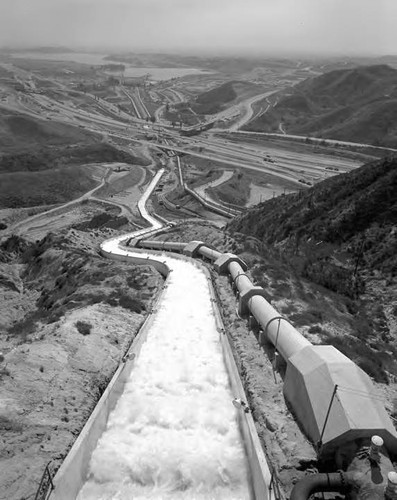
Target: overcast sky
[{"x": 238, "y": 26}]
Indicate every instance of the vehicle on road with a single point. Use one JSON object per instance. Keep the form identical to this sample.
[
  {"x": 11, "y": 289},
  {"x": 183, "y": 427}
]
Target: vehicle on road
[{"x": 269, "y": 159}]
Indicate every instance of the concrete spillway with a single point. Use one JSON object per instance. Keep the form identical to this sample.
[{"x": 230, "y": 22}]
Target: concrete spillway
[
  {"x": 174, "y": 431},
  {"x": 166, "y": 426}
]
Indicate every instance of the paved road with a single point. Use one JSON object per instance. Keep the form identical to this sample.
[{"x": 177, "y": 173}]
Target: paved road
[
  {"x": 247, "y": 108},
  {"x": 53, "y": 211},
  {"x": 286, "y": 165},
  {"x": 201, "y": 190},
  {"x": 332, "y": 142}
]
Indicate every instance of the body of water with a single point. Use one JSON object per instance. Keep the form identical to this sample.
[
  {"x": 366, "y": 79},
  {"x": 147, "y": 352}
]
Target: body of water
[{"x": 92, "y": 59}]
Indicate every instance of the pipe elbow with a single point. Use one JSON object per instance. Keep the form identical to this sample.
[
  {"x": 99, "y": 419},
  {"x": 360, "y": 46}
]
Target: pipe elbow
[{"x": 314, "y": 483}]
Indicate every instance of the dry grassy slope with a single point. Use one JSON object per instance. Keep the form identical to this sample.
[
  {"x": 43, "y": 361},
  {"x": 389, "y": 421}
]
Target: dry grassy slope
[
  {"x": 48, "y": 187},
  {"x": 214, "y": 100},
  {"x": 21, "y": 132},
  {"x": 358, "y": 104},
  {"x": 236, "y": 191},
  {"x": 341, "y": 235},
  {"x": 53, "y": 375},
  {"x": 33, "y": 157},
  {"x": 348, "y": 211}
]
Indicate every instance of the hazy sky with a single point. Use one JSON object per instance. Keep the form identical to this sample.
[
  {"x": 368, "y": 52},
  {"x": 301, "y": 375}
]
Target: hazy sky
[{"x": 287, "y": 26}]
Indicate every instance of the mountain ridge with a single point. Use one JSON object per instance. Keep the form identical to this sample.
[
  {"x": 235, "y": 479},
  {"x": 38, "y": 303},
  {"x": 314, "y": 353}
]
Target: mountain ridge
[
  {"x": 357, "y": 104},
  {"x": 344, "y": 218}
]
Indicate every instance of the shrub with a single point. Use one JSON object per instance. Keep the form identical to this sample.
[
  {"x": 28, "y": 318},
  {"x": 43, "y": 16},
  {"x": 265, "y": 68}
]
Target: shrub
[
  {"x": 83, "y": 327},
  {"x": 133, "y": 304},
  {"x": 363, "y": 356},
  {"x": 288, "y": 309},
  {"x": 304, "y": 318},
  {"x": 315, "y": 329}
]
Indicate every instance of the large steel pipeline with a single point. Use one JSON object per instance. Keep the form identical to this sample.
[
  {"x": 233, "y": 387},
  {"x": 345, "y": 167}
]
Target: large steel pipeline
[
  {"x": 240, "y": 279},
  {"x": 174, "y": 246},
  {"x": 209, "y": 253},
  {"x": 308, "y": 393},
  {"x": 287, "y": 340}
]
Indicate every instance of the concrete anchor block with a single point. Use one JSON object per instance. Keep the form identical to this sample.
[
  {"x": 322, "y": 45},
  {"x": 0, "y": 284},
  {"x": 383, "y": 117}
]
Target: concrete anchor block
[
  {"x": 221, "y": 264},
  {"x": 192, "y": 248},
  {"x": 243, "y": 299},
  {"x": 133, "y": 242}
]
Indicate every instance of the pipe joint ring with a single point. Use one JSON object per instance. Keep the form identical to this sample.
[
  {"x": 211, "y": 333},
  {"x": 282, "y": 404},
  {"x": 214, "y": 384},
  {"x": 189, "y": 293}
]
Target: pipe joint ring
[
  {"x": 271, "y": 320},
  {"x": 268, "y": 324},
  {"x": 235, "y": 280}
]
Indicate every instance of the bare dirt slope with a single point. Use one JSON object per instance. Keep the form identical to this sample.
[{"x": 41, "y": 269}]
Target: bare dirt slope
[{"x": 67, "y": 318}]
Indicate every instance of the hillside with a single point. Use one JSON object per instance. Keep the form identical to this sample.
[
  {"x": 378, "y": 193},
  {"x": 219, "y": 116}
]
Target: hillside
[
  {"x": 358, "y": 104},
  {"x": 41, "y": 163},
  {"x": 346, "y": 211},
  {"x": 23, "y": 132},
  {"x": 214, "y": 100},
  {"x": 48, "y": 187},
  {"x": 67, "y": 317},
  {"x": 341, "y": 236}
]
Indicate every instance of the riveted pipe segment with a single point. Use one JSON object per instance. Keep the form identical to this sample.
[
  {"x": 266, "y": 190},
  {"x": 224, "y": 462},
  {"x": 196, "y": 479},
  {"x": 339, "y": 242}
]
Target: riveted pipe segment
[
  {"x": 173, "y": 246},
  {"x": 238, "y": 275},
  {"x": 289, "y": 341},
  {"x": 236, "y": 279},
  {"x": 209, "y": 253}
]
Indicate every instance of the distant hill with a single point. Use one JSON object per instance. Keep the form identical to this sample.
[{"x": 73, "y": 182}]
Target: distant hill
[
  {"x": 358, "y": 105},
  {"x": 42, "y": 162},
  {"x": 19, "y": 132},
  {"x": 343, "y": 220},
  {"x": 214, "y": 100},
  {"x": 45, "y": 50}
]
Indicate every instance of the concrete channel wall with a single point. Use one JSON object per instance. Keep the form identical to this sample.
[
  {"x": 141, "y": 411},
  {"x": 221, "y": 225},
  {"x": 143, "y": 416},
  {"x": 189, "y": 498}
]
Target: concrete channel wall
[
  {"x": 259, "y": 468},
  {"x": 72, "y": 474}
]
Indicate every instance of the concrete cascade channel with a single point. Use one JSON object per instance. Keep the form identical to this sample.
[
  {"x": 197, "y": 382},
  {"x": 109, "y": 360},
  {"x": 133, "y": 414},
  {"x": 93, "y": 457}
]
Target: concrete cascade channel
[
  {"x": 174, "y": 432},
  {"x": 171, "y": 423}
]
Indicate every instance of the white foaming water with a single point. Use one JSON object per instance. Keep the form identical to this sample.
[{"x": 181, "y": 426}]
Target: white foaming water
[{"x": 174, "y": 433}]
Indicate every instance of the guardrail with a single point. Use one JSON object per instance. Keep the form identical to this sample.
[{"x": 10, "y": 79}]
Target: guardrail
[{"x": 46, "y": 485}]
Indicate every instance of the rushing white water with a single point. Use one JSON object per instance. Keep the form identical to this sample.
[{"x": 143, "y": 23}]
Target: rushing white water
[{"x": 174, "y": 432}]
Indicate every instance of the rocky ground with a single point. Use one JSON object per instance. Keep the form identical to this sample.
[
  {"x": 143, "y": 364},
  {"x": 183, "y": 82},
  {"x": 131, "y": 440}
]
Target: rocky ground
[{"x": 67, "y": 318}]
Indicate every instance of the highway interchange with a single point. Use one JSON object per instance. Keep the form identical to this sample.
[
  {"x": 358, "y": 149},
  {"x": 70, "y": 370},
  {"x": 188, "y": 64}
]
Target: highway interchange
[{"x": 300, "y": 169}]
